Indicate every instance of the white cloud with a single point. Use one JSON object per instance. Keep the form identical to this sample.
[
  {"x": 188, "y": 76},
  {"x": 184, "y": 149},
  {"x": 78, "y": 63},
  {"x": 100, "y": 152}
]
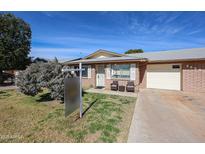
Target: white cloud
[
  {"x": 60, "y": 53},
  {"x": 194, "y": 32},
  {"x": 48, "y": 14},
  {"x": 56, "y": 50},
  {"x": 163, "y": 24},
  {"x": 171, "y": 17}
]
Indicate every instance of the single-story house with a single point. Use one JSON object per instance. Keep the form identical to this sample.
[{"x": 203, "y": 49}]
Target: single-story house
[{"x": 174, "y": 70}]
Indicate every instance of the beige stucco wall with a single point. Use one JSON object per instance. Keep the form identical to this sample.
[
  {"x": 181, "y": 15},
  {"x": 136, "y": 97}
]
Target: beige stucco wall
[{"x": 100, "y": 55}]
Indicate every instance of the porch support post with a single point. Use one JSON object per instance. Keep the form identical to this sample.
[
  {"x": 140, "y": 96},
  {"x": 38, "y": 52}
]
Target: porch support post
[
  {"x": 138, "y": 75},
  {"x": 81, "y": 104}
]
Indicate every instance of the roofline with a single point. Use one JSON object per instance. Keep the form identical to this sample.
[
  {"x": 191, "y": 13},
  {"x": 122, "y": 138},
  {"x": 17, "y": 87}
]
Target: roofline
[
  {"x": 134, "y": 60},
  {"x": 129, "y": 55},
  {"x": 105, "y": 51},
  {"x": 176, "y": 60},
  {"x": 173, "y": 50},
  {"x": 71, "y": 60},
  {"x": 107, "y": 61}
]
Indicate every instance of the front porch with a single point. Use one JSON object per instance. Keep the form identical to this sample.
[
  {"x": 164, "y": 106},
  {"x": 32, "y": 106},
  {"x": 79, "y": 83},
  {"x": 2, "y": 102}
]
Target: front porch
[
  {"x": 103, "y": 75},
  {"x": 102, "y": 68},
  {"x": 110, "y": 92}
]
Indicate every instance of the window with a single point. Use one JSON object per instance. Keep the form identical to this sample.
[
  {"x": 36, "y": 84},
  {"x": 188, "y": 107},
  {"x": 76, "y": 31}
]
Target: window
[
  {"x": 120, "y": 71},
  {"x": 85, "y": 72}
]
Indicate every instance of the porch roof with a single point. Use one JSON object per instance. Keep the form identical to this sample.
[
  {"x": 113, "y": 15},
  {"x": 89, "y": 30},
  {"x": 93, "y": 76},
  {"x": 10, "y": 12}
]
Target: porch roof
[{"x": 107, "y": 60}]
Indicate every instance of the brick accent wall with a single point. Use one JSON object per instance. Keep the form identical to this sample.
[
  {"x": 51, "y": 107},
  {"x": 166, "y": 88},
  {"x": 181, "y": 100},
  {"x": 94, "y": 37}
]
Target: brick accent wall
[
  {"x": 142, "y": 75},
  {"x": 193, "y": 76},
  {"x": 89, "y": 82}
]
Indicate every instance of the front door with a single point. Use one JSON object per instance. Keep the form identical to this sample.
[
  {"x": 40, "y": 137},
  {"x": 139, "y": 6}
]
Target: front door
[{"x": 100, "y": 76}]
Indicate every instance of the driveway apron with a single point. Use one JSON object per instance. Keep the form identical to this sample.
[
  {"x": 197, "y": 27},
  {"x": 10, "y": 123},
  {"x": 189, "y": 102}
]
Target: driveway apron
[{"x": 168, "y": 116}]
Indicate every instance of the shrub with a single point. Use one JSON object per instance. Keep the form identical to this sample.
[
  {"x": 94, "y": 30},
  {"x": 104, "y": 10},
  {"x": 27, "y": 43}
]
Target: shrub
[
  {"x": 56, "y": 87},
  {"x": 28, "y": 80},
  {"x": 49, "y": 71},
  {"x": 38, "y": 75}
]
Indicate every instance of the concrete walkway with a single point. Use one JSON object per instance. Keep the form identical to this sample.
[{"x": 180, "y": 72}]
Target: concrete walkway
[
  {"x": 168, "y": 116},
  {"x": 7, "y": 87},
  {"x": 103, "y": 91}
]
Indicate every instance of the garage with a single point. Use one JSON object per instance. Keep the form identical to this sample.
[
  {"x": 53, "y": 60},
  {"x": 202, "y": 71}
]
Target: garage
[{"x": 164, "y": 76}]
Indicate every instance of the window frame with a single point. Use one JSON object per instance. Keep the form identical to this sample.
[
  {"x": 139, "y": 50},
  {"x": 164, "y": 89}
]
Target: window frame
[
  {"x": 122, "y": 78},
  {"x": 87, "y": 66}
]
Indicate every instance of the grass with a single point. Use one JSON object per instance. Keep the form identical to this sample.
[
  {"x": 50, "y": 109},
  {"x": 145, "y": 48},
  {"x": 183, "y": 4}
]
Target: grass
[{"x": 40, "y": 119}]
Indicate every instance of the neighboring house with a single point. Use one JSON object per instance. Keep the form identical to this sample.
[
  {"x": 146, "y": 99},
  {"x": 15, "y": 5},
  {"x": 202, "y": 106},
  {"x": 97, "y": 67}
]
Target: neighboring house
[{"x": 173, "y": 70}]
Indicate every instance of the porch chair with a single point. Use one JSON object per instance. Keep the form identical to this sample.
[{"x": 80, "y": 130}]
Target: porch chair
[
  {"x": 114, "y": 85},
  {"x": 130, "y": 87}
]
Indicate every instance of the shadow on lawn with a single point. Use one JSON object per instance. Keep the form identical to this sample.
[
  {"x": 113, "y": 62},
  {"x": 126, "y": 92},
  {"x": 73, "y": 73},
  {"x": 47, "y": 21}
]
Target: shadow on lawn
[
  {"x": 91, "y": 104},
  {"x": 44, "y": 98},
  {"x": 2, "y": 92},
  {"x": 86, "y": 110},
  {"x": 6, "y": 84}
]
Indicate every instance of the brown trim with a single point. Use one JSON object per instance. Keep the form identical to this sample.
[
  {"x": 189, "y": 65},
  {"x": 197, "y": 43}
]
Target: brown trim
[
  {"x": 134, "y": 60},
  {"x": 110, "y": 62}
]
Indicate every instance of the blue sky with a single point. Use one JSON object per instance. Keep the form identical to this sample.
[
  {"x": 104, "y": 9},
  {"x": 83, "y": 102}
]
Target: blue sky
[{"x": 68, "y": 35}]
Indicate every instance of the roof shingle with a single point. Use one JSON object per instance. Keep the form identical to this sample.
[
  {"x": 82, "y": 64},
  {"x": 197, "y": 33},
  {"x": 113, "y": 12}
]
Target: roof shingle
[{"x": 182, "y": 54}]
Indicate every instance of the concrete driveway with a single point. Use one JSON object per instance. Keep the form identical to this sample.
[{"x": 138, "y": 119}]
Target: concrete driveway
[{"x": 168, "y": 116}]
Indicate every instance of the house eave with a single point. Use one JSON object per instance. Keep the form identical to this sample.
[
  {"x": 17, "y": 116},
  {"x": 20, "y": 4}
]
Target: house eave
[
  {"x": 106, "y": 61},
  {"x": 176, "y": 60}
]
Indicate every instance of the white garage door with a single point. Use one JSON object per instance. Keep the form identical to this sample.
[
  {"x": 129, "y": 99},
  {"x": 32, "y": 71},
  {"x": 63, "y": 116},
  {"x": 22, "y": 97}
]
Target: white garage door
[{"x": 164, "y": 76}]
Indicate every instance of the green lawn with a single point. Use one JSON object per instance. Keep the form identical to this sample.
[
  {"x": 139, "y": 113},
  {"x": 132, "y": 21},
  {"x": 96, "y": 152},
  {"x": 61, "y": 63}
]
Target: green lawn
[{"x": 39, "y": 119}]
